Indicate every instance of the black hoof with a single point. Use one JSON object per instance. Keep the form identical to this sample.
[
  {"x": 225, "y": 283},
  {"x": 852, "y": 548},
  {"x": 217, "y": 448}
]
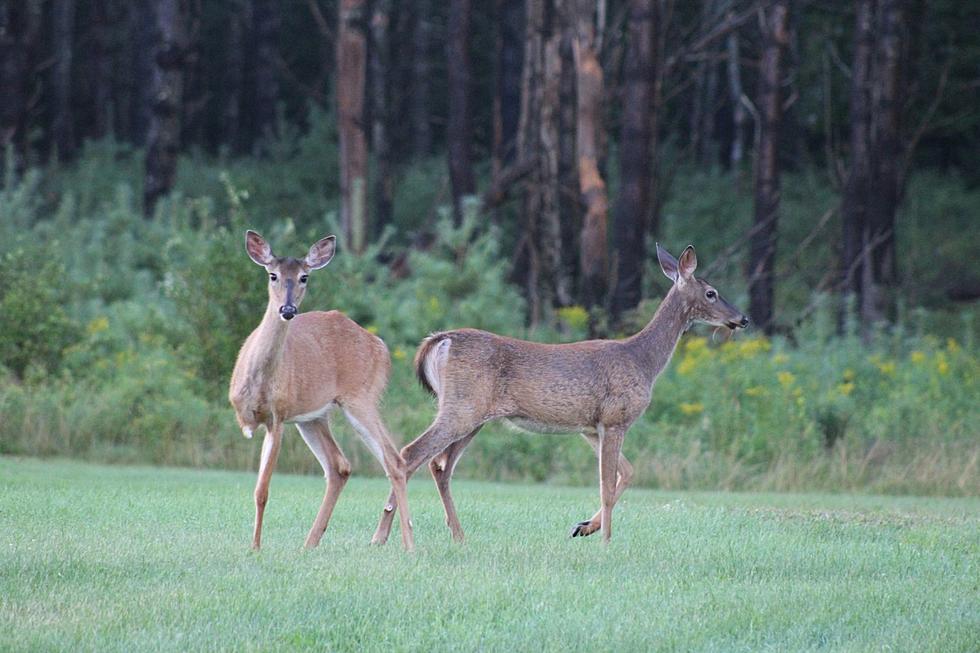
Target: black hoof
[{"x": 578, "y": 530}]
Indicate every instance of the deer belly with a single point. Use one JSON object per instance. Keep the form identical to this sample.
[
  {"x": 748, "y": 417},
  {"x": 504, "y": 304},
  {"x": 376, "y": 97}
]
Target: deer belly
[{"x": 524, "y": 424}]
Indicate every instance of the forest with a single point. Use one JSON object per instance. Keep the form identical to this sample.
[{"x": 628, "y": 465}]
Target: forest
[{"x": 505, "y": 165}]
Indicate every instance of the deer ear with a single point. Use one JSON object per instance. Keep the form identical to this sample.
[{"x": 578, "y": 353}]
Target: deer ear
[
  {"x": 321, "y": 252},
  {"x": 688, "y": 263},
  {"x": 258, "y": 250},
  {"x": 668, "y": 264}
]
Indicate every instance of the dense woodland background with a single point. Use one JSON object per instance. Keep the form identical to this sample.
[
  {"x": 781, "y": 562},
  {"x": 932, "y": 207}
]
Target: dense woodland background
[{"x": 505, "y": 165}]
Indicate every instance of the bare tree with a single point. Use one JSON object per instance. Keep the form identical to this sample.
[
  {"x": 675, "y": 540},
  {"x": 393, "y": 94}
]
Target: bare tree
[
  {"x": 458, "y": 130},
  {"x": 234, "y": 76},
  {"x": 421, "y": 70},
  {"x": 762, "y": 256},
  {"x": 167, "y": 95},
  {"x": 62, "y": 126},
  {"x": 507, "y": 82},
  {"x": 20, "y": 22},
  {"x": 351, "y": 69},
  {"x": 383, "y": 190},
  {"x": 266, "y": 25},
  {"x": 633, "y": 202}
]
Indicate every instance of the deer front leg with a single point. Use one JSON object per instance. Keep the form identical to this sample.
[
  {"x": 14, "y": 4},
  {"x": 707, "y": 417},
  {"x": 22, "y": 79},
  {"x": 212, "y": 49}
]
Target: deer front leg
[
  {"x": 336, "y": 471},
  {"x": 270, "y": 451},
  {"x": 624, "y": 476}
]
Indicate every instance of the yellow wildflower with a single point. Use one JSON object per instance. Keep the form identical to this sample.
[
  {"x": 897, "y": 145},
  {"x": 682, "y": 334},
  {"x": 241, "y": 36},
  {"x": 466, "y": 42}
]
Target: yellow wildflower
[
  {"x": 696, "y": 345},
  {"x": 372, "y": 329},
  {"x": 887, "y": 368},
  {"x": 952, "y": 346},
  {"x": 98, "y": 325},
  {"x": 399, "y": 353},
  {"x": 695, "y": 408},
  {"x": 756, "y": 391},
  {"x": 574, "y": 316},
  {"x": 779, "y": 359},
  {"x": 786, "y": 379},
  {"x": 942, "y": 365},
  {"x": 848, "y": 374},
  {"x": 751, "y": 347},
  {"x": 845, "y": 388},
  {"x": 687, "y": 365},
  {"x": 917, "y": 357},
  {"x": 434, "y": 304}
]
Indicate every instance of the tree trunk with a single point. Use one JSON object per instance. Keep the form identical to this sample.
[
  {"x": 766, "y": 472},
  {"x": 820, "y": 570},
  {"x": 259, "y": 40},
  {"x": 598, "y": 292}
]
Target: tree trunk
[
  {"x": 19, "y": 30},
  {"x": 886, "y": 156},
  {"x": 167, "y": 96},
  {"x": 735, "y": 97},
  {"x": 458, "y": 132},
  {"x": 380, "y": 142},
  {"x": 351, "y": 68},
  {"x": 854, "y": 208},
  {"x": 588, "y": 77},
  {"x": 507, "y": 95},
  {"x": 62, "y": 126},
  {"x": 538, "y": 142},
  {"x": 570, "y": 206},
  {"x": 762, "y": 250},
  {"x": 421, "y": 83},
  {"x": 234, "y": 78},
  {"x": 139, "y": 82},
  {"x": 102, "y": 70},
  {"x": 633, "y": 203},
  {"x": 266, "y": 23}
]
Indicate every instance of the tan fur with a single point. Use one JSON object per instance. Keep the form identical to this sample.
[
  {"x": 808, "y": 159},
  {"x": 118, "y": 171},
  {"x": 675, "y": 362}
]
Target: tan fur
[
  {"x": 295, "y": 368},
  {"x": 596, "y": 387}
]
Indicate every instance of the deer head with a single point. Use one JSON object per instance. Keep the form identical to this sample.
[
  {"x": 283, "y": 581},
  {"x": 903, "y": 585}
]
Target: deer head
[
  {"x": 704, "y": 303},
  {"x": 288, "y": 275}
]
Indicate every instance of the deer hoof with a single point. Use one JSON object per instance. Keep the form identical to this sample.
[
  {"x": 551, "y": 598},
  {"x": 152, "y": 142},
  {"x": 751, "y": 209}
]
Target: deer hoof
[{"x": 582, "y": 529}]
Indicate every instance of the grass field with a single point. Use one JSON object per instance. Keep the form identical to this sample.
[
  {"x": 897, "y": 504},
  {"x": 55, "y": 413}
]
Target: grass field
[{"x": 136, "y": 558}]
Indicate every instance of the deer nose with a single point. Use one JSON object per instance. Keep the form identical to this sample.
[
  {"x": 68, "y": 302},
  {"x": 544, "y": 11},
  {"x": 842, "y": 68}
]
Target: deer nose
[
  {"x": 744, "y": 323},
  {"x": 287, "y": 312}
]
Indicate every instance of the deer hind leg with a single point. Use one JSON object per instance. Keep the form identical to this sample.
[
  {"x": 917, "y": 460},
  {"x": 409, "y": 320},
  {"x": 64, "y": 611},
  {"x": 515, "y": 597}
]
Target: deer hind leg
[
  {"x": 367, "y": 422},
  {"x": 442, "y": 467},
  {"x": 437, "y": 438},
  {"x": 624, "y": 476},
  {"x": 270, "y": 452},
  {"x": 336, "y": 471}
]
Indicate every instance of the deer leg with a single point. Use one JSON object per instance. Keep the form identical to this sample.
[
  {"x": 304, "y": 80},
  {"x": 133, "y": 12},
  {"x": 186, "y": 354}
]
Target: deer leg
[
  {"x": 624, "y": 476},
  {"x": 442, "y": 467},
  {"x": 610, "y": 449},
  {"x": 366, "y": 421},
  {"x": 270, "y": 451},
  {"x": 422, "y": 449},
  {"x": 336, "y": 471}
]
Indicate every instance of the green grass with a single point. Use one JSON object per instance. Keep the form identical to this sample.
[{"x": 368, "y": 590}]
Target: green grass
[{"x": 137, "y": 558}]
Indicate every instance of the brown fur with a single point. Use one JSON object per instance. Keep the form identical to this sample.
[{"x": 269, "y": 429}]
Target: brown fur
[{"x": 596, "y": 387}]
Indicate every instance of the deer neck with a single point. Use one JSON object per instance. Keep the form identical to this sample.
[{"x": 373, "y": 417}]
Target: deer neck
[
  {"x": 655, "y": 344},
  {"x": 267, "y": 348}
]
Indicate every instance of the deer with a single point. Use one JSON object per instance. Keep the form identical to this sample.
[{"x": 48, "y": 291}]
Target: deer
[
  {"x": 597, "y": 388},
  {"x": 296, "y": 368}
]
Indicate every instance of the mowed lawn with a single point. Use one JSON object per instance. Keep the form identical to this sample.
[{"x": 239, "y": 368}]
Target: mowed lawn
[{"x": 136, "y": 558}]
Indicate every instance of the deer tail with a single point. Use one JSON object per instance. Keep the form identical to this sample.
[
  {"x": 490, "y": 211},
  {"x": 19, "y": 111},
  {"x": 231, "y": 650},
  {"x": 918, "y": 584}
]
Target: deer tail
[{"x": 430, "y": 360}]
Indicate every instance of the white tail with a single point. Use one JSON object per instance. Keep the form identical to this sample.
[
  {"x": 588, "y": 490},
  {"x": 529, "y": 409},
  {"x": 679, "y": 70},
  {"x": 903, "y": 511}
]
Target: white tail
[
  {"x": 296, "y": 368},
  {"x": 597, "y": 388}
]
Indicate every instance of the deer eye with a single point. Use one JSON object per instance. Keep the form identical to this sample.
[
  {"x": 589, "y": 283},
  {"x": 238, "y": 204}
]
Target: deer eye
[
  {"x": 273, "y": 276},
  {"x": 711, "y": 294},
  {"x": 303, "y": 278}
]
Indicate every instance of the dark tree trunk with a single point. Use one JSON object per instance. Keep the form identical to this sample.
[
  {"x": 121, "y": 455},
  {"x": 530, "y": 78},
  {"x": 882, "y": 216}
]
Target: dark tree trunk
[
  {"x": 735, "y": 91},
  {"x": 167, "y": 97},
  {"x": 142, "y": 71},
  {"x": 62, "y": 125},
  {"x": 19, "y": 30},
  {"x": 886, "y": 157},
  {"x": 592, "y": 187},
  {"x": 538, "y": 142},
  {"x": 380, "y": 138},
  {"x": 507, "y": 95},
  {"x": 421, "y": 37},
  {"x": 351, "y": 73},
  {"x": 762, "y": 250},
  {"x": 234, "y": 78},
  {"x": 570, "y": 206},
  {"x": 854, "y": 207},
  {"x": 266, "y": 23},
  {"x": 458, "y": 130},
  {"x": 102, "y": 65},
  {"x": 633, "y": 203}
]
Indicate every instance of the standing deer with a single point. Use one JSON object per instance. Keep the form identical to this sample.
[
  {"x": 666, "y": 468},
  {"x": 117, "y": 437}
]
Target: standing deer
[
  {"x": 597, "y": 388},
  {"x": 296, "y": 368}
]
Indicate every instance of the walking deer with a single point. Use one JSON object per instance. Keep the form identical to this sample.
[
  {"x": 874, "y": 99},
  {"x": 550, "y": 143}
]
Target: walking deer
[
  {"x": 296, "y": 368},
  {"x": 598, "y": 388}
]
